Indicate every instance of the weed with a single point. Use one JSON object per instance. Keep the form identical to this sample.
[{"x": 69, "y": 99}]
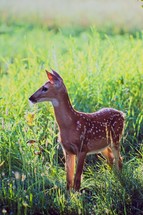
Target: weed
[{"x": 99, "y": 71}]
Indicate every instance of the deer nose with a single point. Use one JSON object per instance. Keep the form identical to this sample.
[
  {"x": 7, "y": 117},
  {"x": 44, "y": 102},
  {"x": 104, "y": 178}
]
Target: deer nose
[{"x": 33, "y": 100}]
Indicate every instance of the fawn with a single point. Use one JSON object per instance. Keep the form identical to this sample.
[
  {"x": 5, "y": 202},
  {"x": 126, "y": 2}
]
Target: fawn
[{"x": 82, "y": 133}]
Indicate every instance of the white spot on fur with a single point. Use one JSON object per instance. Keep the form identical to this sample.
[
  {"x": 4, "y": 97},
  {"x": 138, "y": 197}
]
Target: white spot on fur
[
  {"x": 31, "y": 104},
  {"x": 55, "y": 102}
]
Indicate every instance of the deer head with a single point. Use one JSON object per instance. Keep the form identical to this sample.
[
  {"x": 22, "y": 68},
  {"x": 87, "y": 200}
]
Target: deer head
[{"x": 49, "y": 91}]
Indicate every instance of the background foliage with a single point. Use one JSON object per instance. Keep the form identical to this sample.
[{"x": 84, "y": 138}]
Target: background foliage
[{"x": 101, "y": 68}]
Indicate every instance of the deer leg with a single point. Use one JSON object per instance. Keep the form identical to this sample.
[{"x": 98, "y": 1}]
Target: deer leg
[
  {"x": 80, "y": 162},
  {"x": 70, "y": 167},
  {"x": 107, "y": 153},
  {"x": 116, "y": 152},
  {"x": 115, "y": 137}
]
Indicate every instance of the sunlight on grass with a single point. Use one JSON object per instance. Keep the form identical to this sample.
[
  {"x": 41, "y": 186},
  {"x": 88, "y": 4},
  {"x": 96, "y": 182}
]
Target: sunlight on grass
[{"x": 99, "y": 70}]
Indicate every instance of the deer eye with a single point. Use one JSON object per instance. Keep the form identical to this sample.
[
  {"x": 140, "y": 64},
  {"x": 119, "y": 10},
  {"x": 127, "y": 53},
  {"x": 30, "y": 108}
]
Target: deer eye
[{"x": 44, "y": 89}]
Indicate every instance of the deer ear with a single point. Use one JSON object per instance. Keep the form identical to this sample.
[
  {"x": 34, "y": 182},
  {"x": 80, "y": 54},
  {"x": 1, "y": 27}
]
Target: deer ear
[
  {"x": 57, "y": 75},
  {"x": 53, "y": 79},
  {"x": 50, "y": 77}
]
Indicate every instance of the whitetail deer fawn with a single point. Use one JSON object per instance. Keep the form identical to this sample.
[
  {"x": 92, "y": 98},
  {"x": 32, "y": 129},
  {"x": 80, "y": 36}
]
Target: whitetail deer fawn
[{"x": 82, "y": 133}]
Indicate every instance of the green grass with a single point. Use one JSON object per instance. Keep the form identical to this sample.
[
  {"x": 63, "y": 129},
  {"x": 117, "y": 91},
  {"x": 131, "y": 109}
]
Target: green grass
[{"x": 99, "y": 70}]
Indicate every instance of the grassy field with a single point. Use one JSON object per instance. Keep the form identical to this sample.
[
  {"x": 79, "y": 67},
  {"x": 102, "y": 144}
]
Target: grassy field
[{"x": 100, "y": 69}]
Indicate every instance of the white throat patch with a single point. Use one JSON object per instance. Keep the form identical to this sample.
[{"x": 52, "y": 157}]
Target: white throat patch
[{"x": 55, "y": 102}]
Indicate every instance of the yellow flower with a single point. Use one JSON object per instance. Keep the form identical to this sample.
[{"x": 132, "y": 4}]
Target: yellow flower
[{"x": 30, "y": 118}]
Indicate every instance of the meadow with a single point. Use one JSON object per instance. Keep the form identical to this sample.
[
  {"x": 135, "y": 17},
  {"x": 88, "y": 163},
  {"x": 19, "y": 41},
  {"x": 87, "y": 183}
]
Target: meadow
[{"x": 101, "y": 68}]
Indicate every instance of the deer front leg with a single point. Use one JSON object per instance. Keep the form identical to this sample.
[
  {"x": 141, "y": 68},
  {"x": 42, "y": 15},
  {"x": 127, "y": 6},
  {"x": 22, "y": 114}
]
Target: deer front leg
[
  {"x": 80, "y": 162},
  {"x": 70, "y": 167}
]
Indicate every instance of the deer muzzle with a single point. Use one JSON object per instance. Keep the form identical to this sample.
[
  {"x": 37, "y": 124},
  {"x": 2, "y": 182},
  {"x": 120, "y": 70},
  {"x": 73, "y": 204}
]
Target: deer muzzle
[{"x": 32, "y": 99}]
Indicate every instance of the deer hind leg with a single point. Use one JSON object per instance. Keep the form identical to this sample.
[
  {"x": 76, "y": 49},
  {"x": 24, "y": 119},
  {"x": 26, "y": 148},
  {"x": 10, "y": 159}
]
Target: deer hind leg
[
  {"x": 107, "y": 153},
  {"x": 115, "y": 146},
  {"x": 70, "y": 167},
  {"x": 116, "y": 152},
  {"x": 116, "y": 132}
]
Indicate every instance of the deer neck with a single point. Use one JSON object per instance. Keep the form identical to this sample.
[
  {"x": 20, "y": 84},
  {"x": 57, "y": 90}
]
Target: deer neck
[{"x": 64, "y": 112}]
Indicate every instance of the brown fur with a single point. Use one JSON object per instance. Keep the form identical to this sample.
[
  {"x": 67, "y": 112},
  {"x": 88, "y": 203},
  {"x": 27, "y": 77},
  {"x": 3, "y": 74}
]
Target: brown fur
[{"x": 82, "y": 133}]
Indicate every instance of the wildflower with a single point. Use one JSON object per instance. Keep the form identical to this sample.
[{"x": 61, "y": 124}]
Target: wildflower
[
  {"x": 17, "y": 175},
  {"x": 4, "y": 211},
  {"x": 23, "y": 177},
  {"x": 30, "y": 118}
]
